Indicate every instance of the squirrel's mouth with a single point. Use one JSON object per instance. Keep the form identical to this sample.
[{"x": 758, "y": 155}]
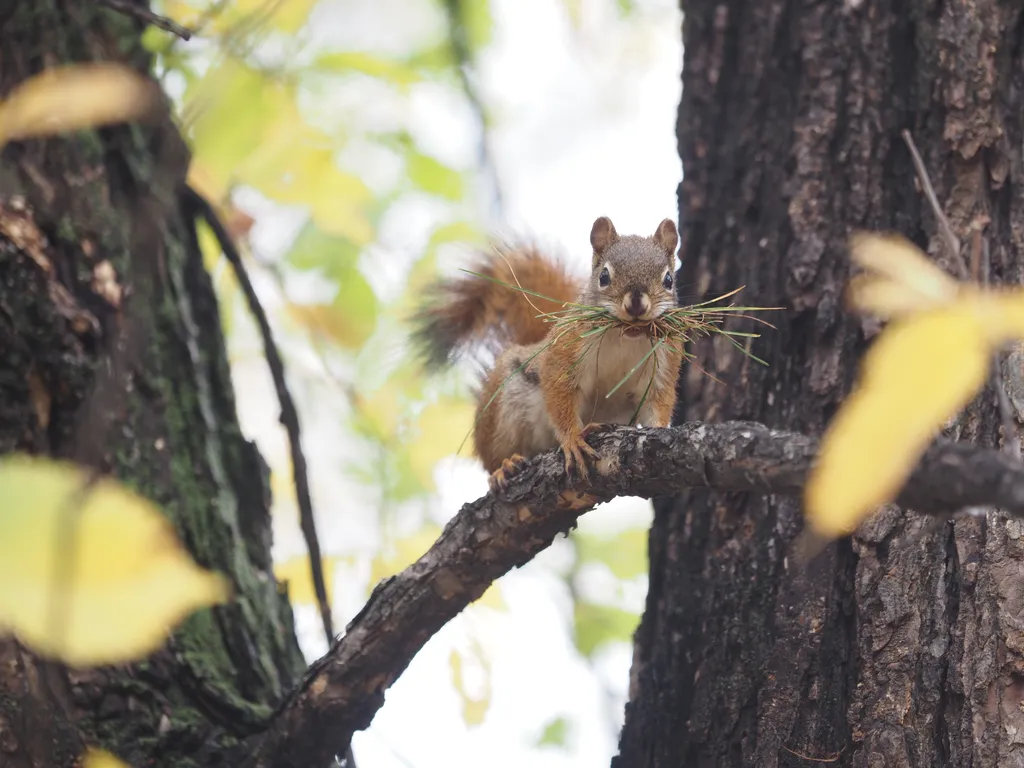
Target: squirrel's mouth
[{"x": 635, "y": 331}]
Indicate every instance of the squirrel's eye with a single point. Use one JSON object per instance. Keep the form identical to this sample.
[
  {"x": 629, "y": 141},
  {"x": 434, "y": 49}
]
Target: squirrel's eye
[
  {"x": 604, "y": 279},
  {"x": 667, "y": 281}
]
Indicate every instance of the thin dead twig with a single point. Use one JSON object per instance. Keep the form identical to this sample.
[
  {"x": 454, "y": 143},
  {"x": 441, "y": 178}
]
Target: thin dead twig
[
  {"x": 979, "y": 272},
  {"x": 947, "y": 230},
  {"x": 143, "y": 13}
]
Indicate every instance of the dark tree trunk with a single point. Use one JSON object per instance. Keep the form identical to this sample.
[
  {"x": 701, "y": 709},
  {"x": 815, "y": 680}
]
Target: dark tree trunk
[
  {"x": 161, "y": 418},
  {"x": 887, "y": 651}
]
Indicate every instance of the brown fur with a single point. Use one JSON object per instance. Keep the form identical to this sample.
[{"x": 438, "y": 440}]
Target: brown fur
[
  {"x": 469, "y": 310},
  {"x": 558, "y": 396}
]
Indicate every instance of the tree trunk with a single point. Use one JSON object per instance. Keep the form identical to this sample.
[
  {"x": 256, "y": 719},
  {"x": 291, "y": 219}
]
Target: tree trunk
[
  {"x": 142, "y": 391},
  {"x": 901, "y": 645}
]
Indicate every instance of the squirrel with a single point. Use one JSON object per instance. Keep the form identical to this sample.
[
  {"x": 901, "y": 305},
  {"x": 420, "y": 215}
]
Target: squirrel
[{"x": 548, "y": 388}]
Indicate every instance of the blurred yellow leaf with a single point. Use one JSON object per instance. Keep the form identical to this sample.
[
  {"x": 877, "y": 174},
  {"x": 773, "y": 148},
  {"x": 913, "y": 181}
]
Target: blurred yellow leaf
[
  {"x": 402, "y": 553},
  {"x": 349, "y": 320},
  {"x": 296, "y": 572},
  {"x": 916, "y": 376},
  {"x": 99, "y": 758},
  {"x": 474, "y": 708},
  {"x": 900, "y": 278},
  {"x": 72, "y": 97},
  {"x": 442, "y": 427},
  {"x": 922, "y": 370},
  {"x": 230, "y": 110},
  {"x": 129, "y": 579},
  {"x": 382, "y": 409}
]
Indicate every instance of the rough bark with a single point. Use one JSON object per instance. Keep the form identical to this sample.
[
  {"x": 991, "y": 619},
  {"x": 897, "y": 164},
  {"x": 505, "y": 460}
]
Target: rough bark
[
  {"x": 892, "y": 650},
  {"x": 142, "y": 391}
]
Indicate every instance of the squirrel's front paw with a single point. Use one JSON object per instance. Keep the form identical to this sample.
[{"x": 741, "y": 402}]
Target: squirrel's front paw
[
  {"x": 591, "y": 428},
  {"x": 509, "y": 467},
  {"x": 575, "y": 451}
]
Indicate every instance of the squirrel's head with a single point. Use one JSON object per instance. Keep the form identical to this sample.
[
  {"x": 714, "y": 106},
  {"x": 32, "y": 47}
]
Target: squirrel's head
[{"x": 632, "y": 276}]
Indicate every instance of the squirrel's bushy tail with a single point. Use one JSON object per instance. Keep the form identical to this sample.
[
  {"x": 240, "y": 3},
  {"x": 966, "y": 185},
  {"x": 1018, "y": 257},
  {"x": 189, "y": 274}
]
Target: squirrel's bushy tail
[{"x": 467, "y": 310}]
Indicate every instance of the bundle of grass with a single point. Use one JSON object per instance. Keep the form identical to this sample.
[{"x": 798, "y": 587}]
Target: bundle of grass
[{"x": 675, "y": 327}]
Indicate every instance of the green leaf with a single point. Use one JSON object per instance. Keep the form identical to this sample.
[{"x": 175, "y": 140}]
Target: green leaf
[
  {"x": 315, "y": 249},
  {"x": 624, "y": 553},
  {"x": 234, "y": 105},
  {"x": 404, "y": 479},
  {"x": 457, "y": 231},
  {"x": 438, "y": 57},
  {"x": 434, "y": 177},
  {"x": 476, "y": 19},
  {"x": 555, "y": 733},
  {"x": 599, "y": 624},
  {"x": 345, "y": 62}
]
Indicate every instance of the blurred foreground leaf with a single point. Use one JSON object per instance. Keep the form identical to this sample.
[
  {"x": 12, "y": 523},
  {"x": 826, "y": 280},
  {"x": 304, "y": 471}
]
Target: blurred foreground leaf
[
  {"x": 920, "y": 372},
  {"x": 129, "y": 580},
  {"x": 72, "y": 97},
  {"x": 99, "y": 758}
]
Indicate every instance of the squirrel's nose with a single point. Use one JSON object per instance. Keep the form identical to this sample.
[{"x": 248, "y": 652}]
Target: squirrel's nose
[{"x": 636, "y": 304}]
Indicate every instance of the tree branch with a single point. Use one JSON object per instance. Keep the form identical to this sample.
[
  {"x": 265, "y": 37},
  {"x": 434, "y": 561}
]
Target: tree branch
[
  {"x": 147, "y": 16},
  {"x": 490, "y": 536}
]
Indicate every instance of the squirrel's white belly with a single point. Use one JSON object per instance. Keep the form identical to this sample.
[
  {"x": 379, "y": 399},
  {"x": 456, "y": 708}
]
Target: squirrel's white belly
[{"x": 604, "y": 368}]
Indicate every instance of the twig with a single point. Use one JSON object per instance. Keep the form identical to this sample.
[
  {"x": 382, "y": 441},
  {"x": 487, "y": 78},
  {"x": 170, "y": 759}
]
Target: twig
[
  {"x": 488, "y": 537},
  {"x": 289, "y": 414},
  {"x": 979, "y": 273},
  {"x": 140, "y": 11},
  {"x": 947, "y": 230}
]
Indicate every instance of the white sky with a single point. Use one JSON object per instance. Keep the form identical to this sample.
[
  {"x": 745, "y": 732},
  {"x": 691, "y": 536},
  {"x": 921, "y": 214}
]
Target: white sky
[{"x": 583, "y": 126}]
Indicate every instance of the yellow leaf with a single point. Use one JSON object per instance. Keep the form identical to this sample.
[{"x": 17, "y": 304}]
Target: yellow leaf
[
  {"x": 349, "y": 320},
  {"x": 443, "y": 428},
  {"x": 129, "y": 581},
  {"x": 919, "y": 373},
  {"x": 900, "y": 278},
  {"x": 73, "y": 97},
  {"x": 206, "y": 184},
  {"x": 382, "y": 410},
  {"x": 229, "y": 113},
  {"x": 99, "y": 758},
  {"x": 474, "y": 708},
  {"x": 296, "y": 572}
]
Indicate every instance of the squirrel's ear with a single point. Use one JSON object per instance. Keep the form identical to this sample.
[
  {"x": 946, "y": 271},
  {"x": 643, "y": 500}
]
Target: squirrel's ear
[
  {"x": 602, "y": 234},
  {"x": 666, "y": 237}
]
